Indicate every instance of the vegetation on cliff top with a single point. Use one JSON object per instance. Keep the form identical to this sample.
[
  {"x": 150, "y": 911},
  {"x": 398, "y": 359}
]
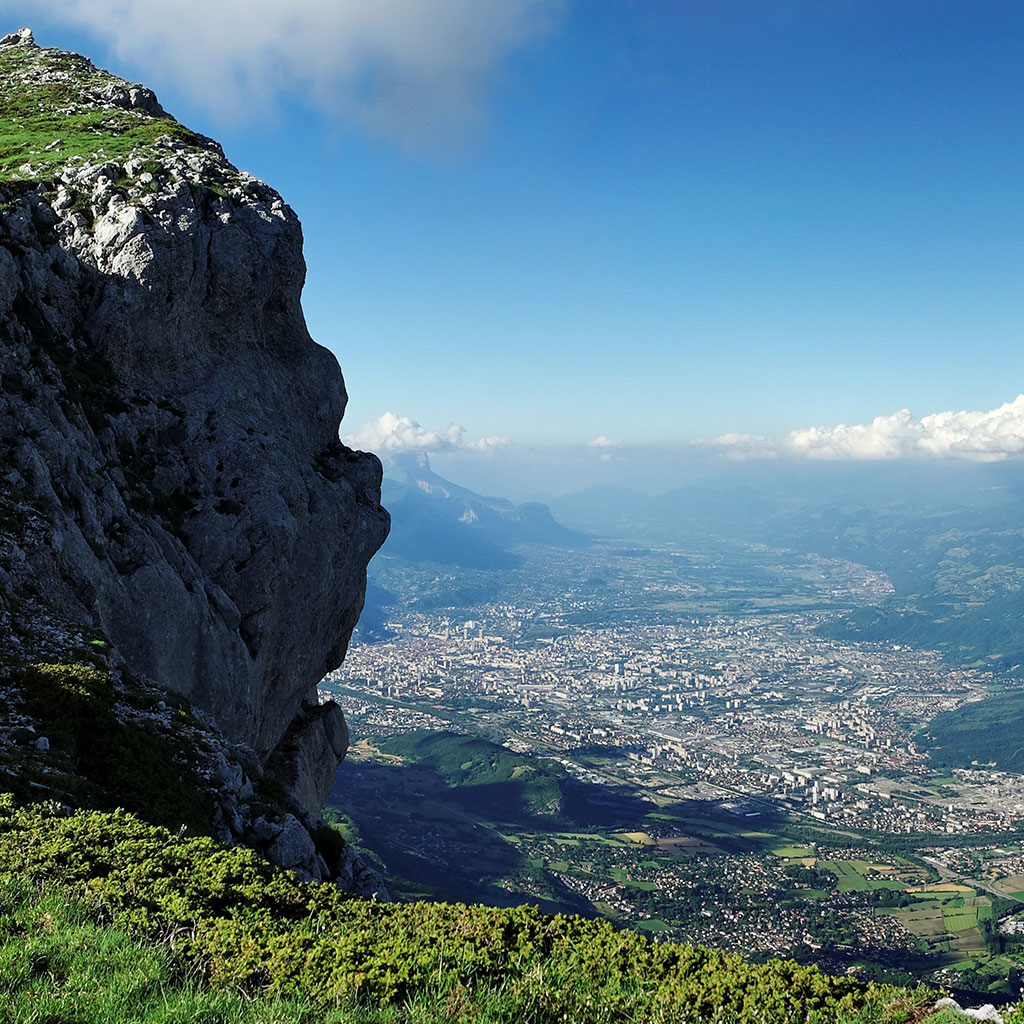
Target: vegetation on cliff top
[{"x": 52, "y": 113}]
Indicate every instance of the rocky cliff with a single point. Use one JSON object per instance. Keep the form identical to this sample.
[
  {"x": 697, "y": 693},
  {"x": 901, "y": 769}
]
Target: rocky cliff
[{"x": 174, "y": 492}]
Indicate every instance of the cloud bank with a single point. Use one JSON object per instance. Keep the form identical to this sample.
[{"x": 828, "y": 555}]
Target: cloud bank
[
  {"x": 415, "y": 71},
  {"x": 390, "y": 434},
  {"x": 982, "y": 436}
]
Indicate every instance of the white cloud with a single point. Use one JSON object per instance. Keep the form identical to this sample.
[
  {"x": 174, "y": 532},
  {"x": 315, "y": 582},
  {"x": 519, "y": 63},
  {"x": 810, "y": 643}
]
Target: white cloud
[
  {"x": 489, "y": 445},
  {"x": 608, "y": 448},
  {"x": 987, "y": 436},
  {"x": 416, "y": 71},
  {"x": 389, "y": 434}
]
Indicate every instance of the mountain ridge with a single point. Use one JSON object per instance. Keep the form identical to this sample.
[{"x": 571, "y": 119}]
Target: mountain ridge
[{"x": 488, "y": 525}]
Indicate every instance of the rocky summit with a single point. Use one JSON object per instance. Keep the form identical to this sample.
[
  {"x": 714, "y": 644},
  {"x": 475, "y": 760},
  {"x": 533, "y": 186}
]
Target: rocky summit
[{"x": 177, "y": 511}]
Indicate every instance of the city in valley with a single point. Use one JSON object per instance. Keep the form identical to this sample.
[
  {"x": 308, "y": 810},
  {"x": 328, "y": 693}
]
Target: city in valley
[{"x": 669, "y": 737}]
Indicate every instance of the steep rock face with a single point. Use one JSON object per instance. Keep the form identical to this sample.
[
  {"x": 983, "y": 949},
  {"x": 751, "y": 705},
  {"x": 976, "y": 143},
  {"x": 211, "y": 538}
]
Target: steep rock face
[{"x": 169, "y": 450}]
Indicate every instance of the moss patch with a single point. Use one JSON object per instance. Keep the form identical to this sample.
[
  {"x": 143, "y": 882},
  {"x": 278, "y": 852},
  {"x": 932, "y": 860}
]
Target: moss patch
[{"x": 95, "y": 759}]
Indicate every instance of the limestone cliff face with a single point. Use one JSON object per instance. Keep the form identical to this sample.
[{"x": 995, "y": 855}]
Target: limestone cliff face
[{"x": 169, "y": 454}]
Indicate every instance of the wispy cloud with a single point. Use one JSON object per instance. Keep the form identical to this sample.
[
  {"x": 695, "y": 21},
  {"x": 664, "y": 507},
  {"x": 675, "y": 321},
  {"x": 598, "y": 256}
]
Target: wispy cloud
[
  {"x": 415, "y": 71},
  {"x": 986, "y": 436},
  {"x": 390, "y": 434}
]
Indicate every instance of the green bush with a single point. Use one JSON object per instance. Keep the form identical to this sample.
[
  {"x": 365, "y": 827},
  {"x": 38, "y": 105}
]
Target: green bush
[
  {"x": 1015, "y": 1015},
  {"x": 59, "y": 964},
  {"x": 248, "y": 925}
]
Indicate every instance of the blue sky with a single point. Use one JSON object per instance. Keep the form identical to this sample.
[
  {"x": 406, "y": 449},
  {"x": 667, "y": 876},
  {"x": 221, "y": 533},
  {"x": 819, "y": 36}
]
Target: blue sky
[{"x": 645, "y": 220}]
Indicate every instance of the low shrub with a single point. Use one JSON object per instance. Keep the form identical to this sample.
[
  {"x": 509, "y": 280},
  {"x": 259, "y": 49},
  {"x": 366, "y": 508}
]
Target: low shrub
[{"x": 245, "y": 924}]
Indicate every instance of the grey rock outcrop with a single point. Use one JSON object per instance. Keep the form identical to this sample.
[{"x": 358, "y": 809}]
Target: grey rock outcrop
[
  {"x": 987, "y": 1012},
  {"x": 22, "y": 37},
  {"x": 169, "y": 430},
  {"x": 317, "y": 735}
]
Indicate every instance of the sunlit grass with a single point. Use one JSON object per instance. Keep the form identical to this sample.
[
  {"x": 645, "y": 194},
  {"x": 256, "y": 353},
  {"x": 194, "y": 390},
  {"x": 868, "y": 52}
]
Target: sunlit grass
[{"x": 45, "y": 122}]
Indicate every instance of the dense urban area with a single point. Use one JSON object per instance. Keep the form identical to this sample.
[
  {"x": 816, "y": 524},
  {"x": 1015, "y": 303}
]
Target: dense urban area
[{"x": 723, "y": 771}]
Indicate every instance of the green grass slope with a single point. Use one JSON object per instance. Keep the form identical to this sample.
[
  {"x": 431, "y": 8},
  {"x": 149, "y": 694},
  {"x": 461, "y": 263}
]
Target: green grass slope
[
  {"x": 49, "y": 117},
  {"x": 484, "y": 774},
  {"x": 58, "y": 963}
]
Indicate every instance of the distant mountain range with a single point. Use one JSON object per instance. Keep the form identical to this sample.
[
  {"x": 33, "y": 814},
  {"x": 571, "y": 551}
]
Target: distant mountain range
[
  {"x": 448, "y": 544},
  {"x": 435, "y": 520}
]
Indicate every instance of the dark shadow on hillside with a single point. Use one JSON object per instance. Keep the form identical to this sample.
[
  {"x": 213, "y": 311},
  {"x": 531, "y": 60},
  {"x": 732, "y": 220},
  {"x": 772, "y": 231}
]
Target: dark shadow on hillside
[
  {"x": 440, "y": 843},
  {"x": 586, "y": 804}
]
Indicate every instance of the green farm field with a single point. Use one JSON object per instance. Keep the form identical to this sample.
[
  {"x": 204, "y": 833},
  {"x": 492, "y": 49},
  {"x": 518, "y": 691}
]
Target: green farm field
[{"x": 856, "y": 876}]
